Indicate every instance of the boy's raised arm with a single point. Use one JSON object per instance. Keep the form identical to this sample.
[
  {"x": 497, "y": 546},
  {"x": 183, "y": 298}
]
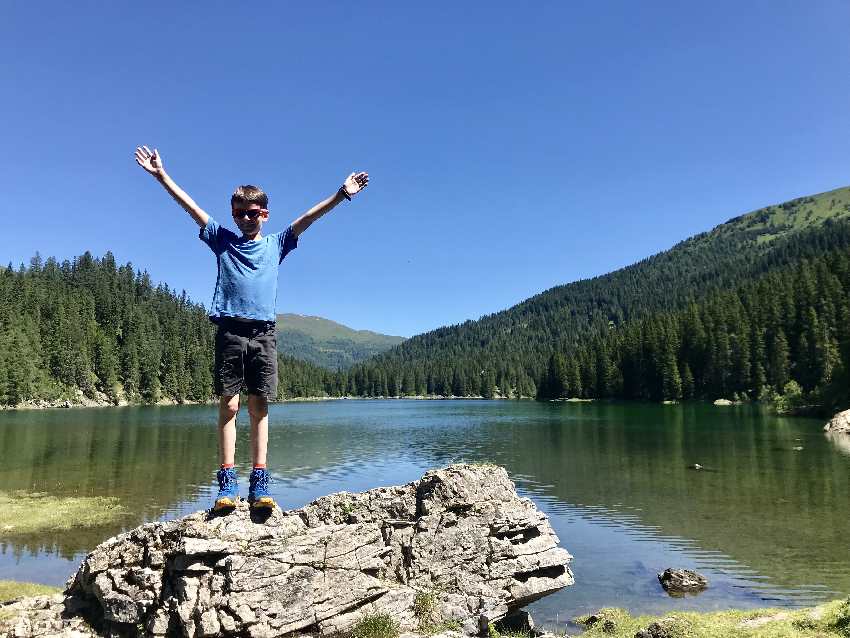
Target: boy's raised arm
[
  {"x": 353, "y": 184},
  {"x": 152, "y": 163}
]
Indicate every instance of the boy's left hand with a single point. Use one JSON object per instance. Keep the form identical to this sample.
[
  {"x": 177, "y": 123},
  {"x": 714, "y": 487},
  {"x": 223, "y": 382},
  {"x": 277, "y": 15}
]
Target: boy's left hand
[{"x": 356, "y": 182}]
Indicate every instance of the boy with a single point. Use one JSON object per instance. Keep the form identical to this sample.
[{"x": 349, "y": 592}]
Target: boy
[{"x": 244, "y": 309}]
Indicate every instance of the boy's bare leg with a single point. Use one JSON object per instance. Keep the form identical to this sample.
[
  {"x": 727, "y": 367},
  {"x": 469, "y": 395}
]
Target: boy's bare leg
[
  {"x": 228, "y": 406},
  {"x": 258, "y": 409}
]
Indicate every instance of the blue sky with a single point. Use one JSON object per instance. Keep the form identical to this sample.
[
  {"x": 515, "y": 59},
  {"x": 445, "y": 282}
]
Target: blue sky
[{"x": 511, "y": 148}]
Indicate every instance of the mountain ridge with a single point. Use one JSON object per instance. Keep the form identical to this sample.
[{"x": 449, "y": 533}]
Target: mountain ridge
[
  {"x": 753, "y": 222},
  {"x": 327, "y": 343}
]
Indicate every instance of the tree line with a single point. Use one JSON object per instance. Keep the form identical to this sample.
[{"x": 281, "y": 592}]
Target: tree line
[{"x": 90, "y": 327}]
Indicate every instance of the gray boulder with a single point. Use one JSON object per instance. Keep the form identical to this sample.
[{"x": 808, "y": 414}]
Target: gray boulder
[
  {"x": 459, "y": 543},
  {"x": 677, "y": 582}
]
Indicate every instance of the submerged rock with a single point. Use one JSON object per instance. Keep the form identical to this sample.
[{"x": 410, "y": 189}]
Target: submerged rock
[
  {"x": 840, "y": 440},
  {"x": 459, "y": 542},
  {"x": 840, "y": 423},
  {"x": 677, "y": 582}
]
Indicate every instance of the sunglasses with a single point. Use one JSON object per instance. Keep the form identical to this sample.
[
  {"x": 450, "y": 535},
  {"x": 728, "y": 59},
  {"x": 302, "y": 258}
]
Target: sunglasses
[{"x": 250, "y": 213}]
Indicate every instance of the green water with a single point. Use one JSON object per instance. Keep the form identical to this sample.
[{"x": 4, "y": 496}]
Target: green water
[{"x": 767, "y": 523}]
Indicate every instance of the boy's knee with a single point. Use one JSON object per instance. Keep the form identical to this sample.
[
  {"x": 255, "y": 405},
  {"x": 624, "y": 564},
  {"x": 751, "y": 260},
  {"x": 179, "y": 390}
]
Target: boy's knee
[
  {"x": 229, "y": 406},
  {"x": 258, "y": 406}
]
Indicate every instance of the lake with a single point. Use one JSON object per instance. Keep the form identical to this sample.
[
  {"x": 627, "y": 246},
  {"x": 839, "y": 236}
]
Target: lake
[{"x": 766, "y": 521}]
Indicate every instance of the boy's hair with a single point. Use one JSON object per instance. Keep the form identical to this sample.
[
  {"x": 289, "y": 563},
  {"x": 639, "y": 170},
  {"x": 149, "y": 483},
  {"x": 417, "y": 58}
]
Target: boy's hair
[{"x": 247, "y": 194}]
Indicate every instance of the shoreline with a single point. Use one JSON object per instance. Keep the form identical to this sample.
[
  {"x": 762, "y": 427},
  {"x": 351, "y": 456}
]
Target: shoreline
[
  {"x": 87, "y": 402},
  {"x": 67, "y": 404}
]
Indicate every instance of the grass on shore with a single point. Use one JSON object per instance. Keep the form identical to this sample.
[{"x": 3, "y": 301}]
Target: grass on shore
[
  {"x": 426, "y": 608},
  {"x": 376, "y": 626},
  {"x": 10, "y": 589},
  {"x": 36, "y": 512},
  {"x": 830, "y": 620}
]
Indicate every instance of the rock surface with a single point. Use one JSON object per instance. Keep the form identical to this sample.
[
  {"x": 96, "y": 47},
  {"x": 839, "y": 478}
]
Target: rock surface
[
  {"x": 459, "y": 543},
  {"x": 42, "y": 616},
  {"x": 681, "y": 581},
  {"x": 839, "y": 423}
]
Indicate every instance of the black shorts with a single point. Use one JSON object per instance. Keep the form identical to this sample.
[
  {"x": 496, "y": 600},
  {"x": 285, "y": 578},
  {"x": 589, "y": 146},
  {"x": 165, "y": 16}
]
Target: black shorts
[{"x": 246, "y": 354}]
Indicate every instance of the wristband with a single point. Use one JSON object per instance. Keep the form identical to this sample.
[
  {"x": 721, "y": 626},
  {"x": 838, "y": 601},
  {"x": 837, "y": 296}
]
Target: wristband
[{"x": 344, "y": 192}]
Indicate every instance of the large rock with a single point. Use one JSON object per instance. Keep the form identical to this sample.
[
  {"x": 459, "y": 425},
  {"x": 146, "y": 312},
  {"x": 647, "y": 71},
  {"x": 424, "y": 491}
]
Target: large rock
[
  {"x": 459, "y": 542},
  {"x": 678, "y": 582},
  {"x": 840, "y": 423}
]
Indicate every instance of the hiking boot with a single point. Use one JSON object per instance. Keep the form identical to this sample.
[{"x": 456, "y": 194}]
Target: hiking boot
[
  {"x": 228, "y": 489},
  {"x": 258, "y": 489}
]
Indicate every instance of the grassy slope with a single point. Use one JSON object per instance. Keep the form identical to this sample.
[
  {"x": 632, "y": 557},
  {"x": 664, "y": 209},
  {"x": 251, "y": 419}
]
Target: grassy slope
[
  {"x": 825, "y": 621},
  {"x": 327, "y": 343},
  {"x": 761, "y": 226},
  {"x": 804, "y": 212},
  {"x": 320, "y": 328}
]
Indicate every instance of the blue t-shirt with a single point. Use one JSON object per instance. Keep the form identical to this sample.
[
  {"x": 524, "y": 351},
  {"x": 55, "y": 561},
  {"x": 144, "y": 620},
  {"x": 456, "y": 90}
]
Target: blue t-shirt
[{"x": 246, "y": 286}]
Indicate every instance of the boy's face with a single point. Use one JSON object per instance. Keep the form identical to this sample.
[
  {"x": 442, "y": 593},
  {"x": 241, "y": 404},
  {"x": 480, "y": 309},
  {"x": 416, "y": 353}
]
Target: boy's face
[{"x": 249, "y": 218}]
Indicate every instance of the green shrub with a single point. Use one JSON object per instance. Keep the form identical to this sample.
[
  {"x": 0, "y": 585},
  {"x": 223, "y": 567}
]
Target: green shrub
[
  {"x": 375, "y": 626},
  {"x": 841, "y": 622},
  {"x": 791, "y": 398},
  {"x": 426, "y": 612}
]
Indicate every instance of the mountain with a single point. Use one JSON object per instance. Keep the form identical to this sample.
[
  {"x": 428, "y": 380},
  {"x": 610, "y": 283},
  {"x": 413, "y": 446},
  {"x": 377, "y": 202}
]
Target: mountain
[
  {"x": 329, "y": 344},
  {"x": 515, "y": 345}
]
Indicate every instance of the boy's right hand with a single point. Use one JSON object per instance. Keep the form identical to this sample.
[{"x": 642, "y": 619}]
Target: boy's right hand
[{"x": 150, "y": 161}]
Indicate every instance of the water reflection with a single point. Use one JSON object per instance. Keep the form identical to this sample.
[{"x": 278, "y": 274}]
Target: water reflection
[
  {"x": 150, "y": 458},
  {"x": 766, "y": 518},
  {"x": 840, "y": 440}
]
